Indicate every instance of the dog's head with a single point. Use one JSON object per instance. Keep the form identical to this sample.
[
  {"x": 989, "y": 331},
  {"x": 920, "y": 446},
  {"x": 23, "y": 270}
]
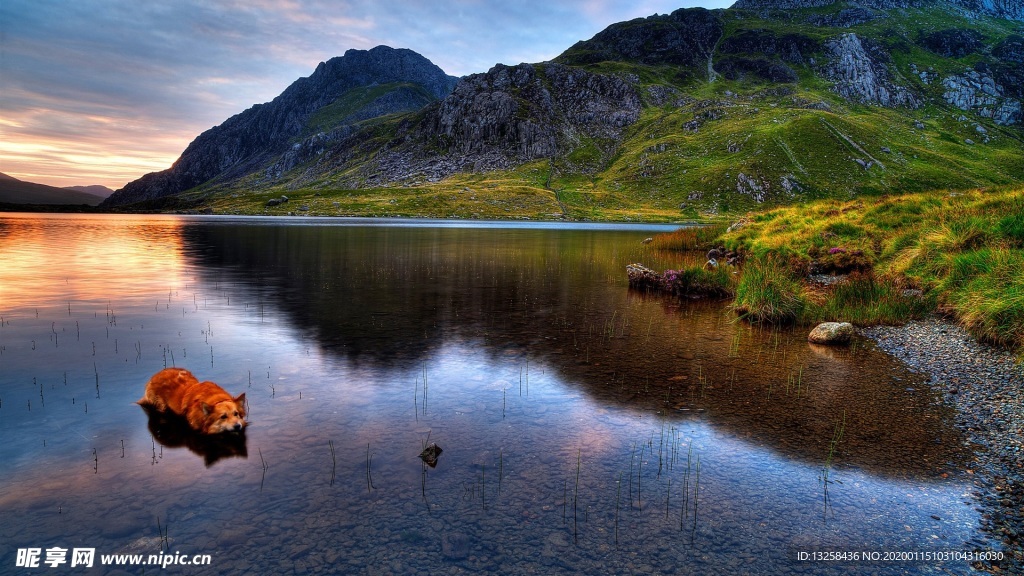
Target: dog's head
[{"x": 224, "y": 416}]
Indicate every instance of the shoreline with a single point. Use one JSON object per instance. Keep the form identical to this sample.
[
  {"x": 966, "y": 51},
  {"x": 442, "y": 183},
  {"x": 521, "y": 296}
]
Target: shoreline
[{"x": 986, "y": 387}]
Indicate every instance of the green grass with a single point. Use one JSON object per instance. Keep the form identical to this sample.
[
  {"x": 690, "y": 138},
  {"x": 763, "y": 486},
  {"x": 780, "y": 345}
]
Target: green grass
[
  {"x": 914, "y": 254},
  {"x": 864, "y": 299},
  {"x": 986, "y": 289},
  {"x": 769, "y": 292},
  {"x": 698, "y": 281}
]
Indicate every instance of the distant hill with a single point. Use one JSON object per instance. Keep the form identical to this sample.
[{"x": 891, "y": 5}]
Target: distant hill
[
  {"x": 95, "y": 190},
  {"x": 14, "y": 191}
]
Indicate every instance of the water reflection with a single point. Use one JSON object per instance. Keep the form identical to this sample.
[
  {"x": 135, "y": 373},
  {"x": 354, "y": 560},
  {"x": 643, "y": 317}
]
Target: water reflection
[
  {"x": 573, "y": 412},
  {"x": 172, "y": 431},
  {"x": 393, "y": 296}
]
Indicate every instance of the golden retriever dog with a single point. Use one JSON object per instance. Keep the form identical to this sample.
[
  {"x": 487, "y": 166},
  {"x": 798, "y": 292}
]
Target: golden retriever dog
[{"x": 208, "y": 408}]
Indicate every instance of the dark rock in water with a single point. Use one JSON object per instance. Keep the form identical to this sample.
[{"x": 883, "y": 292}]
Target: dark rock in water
[
  {"x": 430, "y": 454},
  {"x": 831, "y": 333}
]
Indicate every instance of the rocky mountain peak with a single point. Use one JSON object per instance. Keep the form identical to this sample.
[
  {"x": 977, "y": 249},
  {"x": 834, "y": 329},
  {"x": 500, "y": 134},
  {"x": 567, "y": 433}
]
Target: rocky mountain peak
[{"x": 246, "y": 141}]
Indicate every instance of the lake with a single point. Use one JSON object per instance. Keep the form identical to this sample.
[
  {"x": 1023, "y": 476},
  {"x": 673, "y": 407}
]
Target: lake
[{"x": 585, "y": 427}]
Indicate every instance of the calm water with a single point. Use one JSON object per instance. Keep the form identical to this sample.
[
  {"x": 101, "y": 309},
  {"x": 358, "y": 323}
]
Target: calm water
[{"x": 584, "y": 426}]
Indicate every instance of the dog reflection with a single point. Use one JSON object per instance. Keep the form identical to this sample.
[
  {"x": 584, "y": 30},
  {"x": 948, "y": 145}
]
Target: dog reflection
[{"x": 173, "y": 431}]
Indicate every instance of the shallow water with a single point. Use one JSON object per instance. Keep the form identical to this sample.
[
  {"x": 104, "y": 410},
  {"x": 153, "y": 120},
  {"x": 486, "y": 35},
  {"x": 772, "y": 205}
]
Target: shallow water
[{"x": 584, "y": 426}]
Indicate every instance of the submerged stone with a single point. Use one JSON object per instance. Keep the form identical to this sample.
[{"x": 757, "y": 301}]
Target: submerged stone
[{"x": 430, "y": 454}]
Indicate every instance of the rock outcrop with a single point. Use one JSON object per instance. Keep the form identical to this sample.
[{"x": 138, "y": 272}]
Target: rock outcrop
[
  {"x": 507, "y": 116},
  {"x": 859, "y": 68},
  {"x": 685, "y": 38},
  {"x": 953, "y": 43},
  {"x": 979, "y": 92},
  {"x": 246, "y": 141}
]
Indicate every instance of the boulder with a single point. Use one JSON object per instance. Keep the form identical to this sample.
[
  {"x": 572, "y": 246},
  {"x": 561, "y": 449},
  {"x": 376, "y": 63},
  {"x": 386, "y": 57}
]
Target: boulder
[{"x": 831, "y": 333}]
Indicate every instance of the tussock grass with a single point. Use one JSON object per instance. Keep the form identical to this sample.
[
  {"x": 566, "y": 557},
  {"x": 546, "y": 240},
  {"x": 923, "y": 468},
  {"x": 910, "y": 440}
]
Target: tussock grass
[
  {"x": 692, "y": 238},
  {"x": 985, "y": 288},
  {"x": 769, "y": 292},
  {"x": 907, "y": 256},
  {"x": 864, "y": 299}
]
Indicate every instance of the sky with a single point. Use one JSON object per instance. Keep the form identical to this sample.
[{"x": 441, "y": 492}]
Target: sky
[{"x": 104, "y": 91}]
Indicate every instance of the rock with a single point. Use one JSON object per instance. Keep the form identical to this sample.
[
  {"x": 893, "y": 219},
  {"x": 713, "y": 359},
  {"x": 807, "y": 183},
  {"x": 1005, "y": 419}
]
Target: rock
[
  {"x": 738, "y": 68},
  {"x": 507, "y": 116},
  {"x": 641, "y": 276},
  {"x": 273, "y": 202},
  {"x": 647, "y": 240},
  {"x": 1011, "y": 49},
  {"x": 430, "y": 454},
  {"x": 683, "y": 39},
  {"x": 845, "y": 18},
  {"x": 789, "y": 47},
  {"x": 860, "y": 72},
  {"x": 979, "y": 92},
  {"x": 953, "y": 43},
  {"x": 831, "y": 333},
  {"x": 752, "y": 187},
  {"x": 737, "y": 225}
]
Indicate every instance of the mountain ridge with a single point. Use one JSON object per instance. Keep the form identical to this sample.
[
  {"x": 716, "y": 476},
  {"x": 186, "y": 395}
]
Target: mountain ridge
[
  {"x": 691, "y": 113},
  {"x": 15, "y": 191},
  {"x": 247, "y": 140}
]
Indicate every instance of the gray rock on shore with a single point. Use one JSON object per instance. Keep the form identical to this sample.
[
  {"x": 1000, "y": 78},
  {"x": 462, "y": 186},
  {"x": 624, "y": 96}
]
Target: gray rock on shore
[{"x": 831, "y": 333}]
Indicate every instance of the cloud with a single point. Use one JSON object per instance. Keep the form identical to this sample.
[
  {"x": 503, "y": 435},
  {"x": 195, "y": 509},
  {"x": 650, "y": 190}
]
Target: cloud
[{"x": 102, "y": 91}]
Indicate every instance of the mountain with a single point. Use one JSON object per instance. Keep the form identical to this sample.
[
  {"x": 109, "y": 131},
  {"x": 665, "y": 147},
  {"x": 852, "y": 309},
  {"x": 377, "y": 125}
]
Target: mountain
[
  {"x": 341, "y": 94},
  {"x": 691, "y": 113},
  {"x": 95, "y": 190},
  {"x": 14, "y": 191}
]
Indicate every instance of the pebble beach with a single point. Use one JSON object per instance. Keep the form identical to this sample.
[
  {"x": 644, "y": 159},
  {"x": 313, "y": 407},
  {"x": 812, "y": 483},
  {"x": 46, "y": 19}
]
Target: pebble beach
[{"x": 986, "y": 386}]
